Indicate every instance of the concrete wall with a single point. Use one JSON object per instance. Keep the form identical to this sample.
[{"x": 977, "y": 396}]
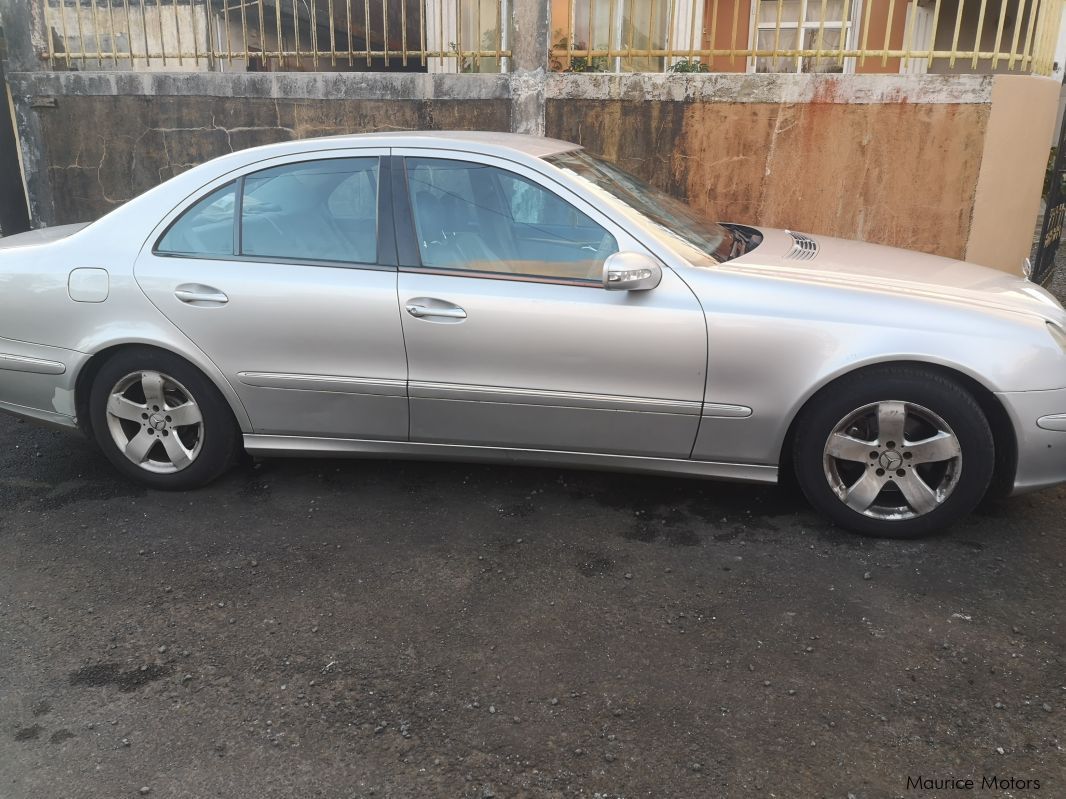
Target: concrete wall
[
  {"x": 95, "y": 140},
  {"x": 14, "y": 217},
  {"x": 889, "y": 159},
  {"x": 101, "y": 151}
]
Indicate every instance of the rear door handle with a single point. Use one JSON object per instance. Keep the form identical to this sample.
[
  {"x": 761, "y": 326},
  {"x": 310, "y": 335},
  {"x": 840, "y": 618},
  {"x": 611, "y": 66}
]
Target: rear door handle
[
  {"x": 195, "y": 294},
  {"x": 449, "y": 311}
]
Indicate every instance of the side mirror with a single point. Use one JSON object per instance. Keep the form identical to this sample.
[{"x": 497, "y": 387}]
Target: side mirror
[{"x": 631, "y": 271}]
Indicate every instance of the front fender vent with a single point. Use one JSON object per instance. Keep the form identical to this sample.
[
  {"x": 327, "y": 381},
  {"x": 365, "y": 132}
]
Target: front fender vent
[{"x": 804, "y": 248}]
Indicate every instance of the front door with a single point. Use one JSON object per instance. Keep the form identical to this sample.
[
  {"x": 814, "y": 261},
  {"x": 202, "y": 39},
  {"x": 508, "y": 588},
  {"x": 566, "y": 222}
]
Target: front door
[
  {"x": 511, "y": 339},
  {"x": 281, "y": 278}
]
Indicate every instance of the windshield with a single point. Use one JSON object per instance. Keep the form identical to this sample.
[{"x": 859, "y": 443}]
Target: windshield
[{"x": 694, "y": 238}]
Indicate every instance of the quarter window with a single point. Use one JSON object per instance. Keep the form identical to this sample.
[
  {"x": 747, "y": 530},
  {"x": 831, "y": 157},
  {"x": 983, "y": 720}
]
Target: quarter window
[
  {"x": 481, "y": 218},
  {"x": 205, "y": 229},
  {"x": 320, "y": 210}
]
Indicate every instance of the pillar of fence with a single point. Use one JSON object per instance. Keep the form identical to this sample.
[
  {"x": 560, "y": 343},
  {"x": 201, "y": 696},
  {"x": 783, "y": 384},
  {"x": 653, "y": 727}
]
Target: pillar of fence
[
  {"x": 23, "y": 36},
  {"x": 18, "y": 19},
  {"x": 530, "y": 24}
]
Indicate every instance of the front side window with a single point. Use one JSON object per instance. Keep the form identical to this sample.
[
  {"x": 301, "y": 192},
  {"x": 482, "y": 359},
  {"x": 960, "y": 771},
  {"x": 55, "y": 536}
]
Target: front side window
[
  {"x": 318, "y": 210},
  {"x": 686, "y": 231},
  {"x": 205, "y": 229},
  {"x": 480, "y": 218}
]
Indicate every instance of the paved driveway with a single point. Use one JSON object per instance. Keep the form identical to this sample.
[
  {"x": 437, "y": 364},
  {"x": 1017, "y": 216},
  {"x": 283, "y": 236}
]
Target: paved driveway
[{"x": 345, "y": 628}]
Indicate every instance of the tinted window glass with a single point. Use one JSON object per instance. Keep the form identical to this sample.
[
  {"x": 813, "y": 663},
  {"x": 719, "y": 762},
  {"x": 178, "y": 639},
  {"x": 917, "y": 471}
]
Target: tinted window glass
[
  {"x": 204, "y": 229},
  {"x": 482, "y": 218},
  {"x": 319, "y": 210}
]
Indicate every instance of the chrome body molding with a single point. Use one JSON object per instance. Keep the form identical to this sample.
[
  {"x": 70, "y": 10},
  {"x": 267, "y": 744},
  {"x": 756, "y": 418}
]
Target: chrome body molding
[
  {"x": 335, "y": 383},
  {"x": 714, "y": 410},
  {"x": 1056, "y": 421},
  {"x": 501, "y": 394},
  {"x": 299, "y": 446},
  {"x": 525, "y": 396},
  {"x": 21, "y": 363}
]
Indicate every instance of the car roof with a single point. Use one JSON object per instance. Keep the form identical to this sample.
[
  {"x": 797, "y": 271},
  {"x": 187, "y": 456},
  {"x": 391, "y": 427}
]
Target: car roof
[{"x": 536, "y": 146}]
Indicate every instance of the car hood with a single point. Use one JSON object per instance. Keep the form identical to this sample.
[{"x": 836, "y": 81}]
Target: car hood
[
  {"x": 852, "y": 264},
  {"x": 43, "y": 236}
]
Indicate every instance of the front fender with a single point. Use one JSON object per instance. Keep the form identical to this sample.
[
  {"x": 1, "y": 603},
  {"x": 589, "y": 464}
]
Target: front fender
[{"x": 774, "y": 344}]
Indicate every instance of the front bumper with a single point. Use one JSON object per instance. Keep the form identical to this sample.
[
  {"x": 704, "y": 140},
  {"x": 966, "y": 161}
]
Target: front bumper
[
  {"x": 37, "y": 381},
  {"x": 1039, "y": 419}
]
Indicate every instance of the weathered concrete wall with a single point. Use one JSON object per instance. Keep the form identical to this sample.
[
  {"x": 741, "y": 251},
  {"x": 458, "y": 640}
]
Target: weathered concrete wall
[
  {"x": 884, "y": 158},
  {"x": 893, "y": 160},
  {"x": 95, "y": 140},
  {"x": 14, "y": 215},
  {"x": 877, "y": 173},
  {"x": 102, "y": 151}
]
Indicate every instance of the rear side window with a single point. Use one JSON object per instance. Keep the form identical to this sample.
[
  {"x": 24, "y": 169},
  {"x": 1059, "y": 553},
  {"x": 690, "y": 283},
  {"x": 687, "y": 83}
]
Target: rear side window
[
  {"x": 318, "y": 210},
  {"x": 325, "y": 210},
  {"x": 204, "y": 229}
]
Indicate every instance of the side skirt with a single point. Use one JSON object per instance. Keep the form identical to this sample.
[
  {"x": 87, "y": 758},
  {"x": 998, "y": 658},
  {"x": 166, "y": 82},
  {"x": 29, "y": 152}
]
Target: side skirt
[
  {"x": 300, "y": 446},
  {"x": 55, "y": 421}
]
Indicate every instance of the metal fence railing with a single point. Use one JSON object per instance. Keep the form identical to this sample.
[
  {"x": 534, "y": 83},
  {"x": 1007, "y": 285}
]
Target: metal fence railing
[
  {"x": 277, "y": 35},
  {"x": 910, "y": 36},
  {"x": 805, "y": 35}
]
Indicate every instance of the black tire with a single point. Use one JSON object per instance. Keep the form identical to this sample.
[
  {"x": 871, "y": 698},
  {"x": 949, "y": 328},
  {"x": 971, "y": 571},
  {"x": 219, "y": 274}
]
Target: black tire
[
  {"x": 218, "y": 435},
  {"x": 943, "y": 397}
]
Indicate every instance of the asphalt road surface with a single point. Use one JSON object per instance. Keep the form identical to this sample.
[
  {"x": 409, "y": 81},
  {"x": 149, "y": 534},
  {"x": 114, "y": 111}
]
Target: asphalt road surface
[{"x": 388, "y": 629}]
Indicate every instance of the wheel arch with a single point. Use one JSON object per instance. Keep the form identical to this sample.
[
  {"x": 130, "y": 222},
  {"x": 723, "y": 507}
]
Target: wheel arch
[
  {"x": 87, "y": 373},
  {"x": 1003, "y": 433}
]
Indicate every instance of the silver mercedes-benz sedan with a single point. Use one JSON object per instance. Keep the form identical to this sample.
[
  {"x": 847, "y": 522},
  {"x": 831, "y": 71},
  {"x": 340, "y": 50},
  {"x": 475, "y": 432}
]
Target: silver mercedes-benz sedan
[{"x": 483, "y": 296}]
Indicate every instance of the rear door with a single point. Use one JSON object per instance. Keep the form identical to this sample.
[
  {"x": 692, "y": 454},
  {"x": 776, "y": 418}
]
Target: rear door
[
  {"x": 280, "y": 275},
  {"x": 512, "y": 341}
]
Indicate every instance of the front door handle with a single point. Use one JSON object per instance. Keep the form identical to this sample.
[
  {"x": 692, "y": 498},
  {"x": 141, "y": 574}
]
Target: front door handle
[
  {"x": 420, "y": 311},
  {"x": 195, "y": 294}
]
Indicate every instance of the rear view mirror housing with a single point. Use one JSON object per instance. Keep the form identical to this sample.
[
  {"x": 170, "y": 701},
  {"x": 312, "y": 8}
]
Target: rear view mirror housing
[{"x": 631, "y": 271}]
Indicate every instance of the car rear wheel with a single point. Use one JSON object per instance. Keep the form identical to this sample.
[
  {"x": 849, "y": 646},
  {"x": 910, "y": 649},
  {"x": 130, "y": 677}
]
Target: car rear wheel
[
  {"x": 895, "y": 453},
  {"x": 160, "y": 421}
]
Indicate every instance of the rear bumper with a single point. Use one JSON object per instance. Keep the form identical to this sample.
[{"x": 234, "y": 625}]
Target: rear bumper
[
  {"x": 37, "y": 381},
  {"x": 1039, "y": 419}
]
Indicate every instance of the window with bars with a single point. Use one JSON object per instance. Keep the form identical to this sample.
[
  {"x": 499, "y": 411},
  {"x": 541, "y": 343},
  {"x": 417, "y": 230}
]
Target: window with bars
[
  {"x": 277, "y": 35},
  {"x": 625, "y": 35},
  {"x": 463, "y": 36},
  {"x": 786, "y": 26}
]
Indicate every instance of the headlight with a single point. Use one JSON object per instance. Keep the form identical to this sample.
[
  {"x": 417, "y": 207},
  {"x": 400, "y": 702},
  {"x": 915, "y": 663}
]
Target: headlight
[{"x": 1057, "y": 333}]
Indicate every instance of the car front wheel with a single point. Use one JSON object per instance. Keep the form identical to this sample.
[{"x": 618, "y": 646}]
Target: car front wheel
[
  {"x": 160, "y": 421},
  {"x": 896, "y": 452}
]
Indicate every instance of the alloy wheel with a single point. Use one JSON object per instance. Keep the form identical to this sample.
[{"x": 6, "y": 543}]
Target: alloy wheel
[
  {"x": 155, "y": 422},
  {"x": 892, "y": 460}
]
